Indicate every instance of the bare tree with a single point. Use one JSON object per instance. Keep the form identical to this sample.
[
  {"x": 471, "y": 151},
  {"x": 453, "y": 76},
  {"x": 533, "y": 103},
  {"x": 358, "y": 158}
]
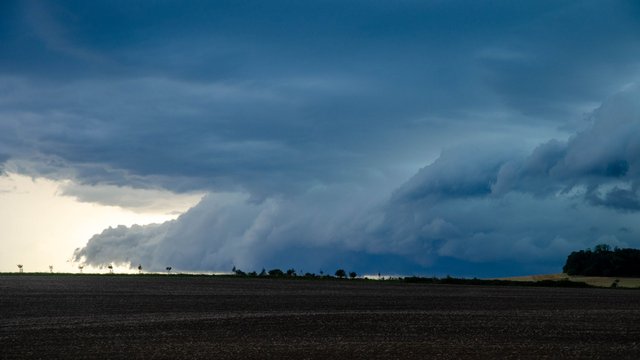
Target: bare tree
[{"x": 20, "y": 268}]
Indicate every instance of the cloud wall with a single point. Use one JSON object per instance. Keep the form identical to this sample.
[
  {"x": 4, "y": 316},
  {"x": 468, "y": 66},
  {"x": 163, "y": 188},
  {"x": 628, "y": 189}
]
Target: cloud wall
[
  {"x": 478, "y": 203},
  {"x": 392, "y": 136}
]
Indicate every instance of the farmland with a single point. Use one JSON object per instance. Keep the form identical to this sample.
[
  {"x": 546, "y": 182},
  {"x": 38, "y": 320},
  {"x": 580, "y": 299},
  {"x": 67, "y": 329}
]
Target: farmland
[
  {"x": 225, "y": 318},
  {"x": 600, "y": 281}
]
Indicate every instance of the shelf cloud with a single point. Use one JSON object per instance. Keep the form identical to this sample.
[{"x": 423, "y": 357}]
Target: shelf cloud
[
  {"x": 477, "y": 203},
  {"x": 412, "y": 137}
]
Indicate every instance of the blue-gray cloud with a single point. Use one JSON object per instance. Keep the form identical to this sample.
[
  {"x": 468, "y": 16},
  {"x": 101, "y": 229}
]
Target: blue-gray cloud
[
  {"x": 211, "y": 96},
  {"x": 479, "y": 203},
  {"x": 276, "y": 100}
]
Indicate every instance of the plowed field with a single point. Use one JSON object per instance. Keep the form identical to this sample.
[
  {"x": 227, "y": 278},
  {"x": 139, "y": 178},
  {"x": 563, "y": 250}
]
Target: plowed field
[{"x": 117, "y": 317}]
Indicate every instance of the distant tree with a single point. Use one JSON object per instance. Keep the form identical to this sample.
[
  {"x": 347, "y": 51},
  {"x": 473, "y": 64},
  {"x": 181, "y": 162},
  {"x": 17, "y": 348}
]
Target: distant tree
[
  {"x": 51, "y": 269},
  {"x": 168, "y": 268},
  {"x": 341, "y": 273},
  {"x": 239, "y": 272},
  {"x": 321, "y": 272},
  {"x": 110, "y": 267},
  {"x": 80, "y": 267},
  {"x": 139, "y": 269},
  {"x": 20, "y": 268},
  {"x": 234, "y": 269},
  {"x": 604, "y": 262},
  {"x": 276, "y": 272},
  {"x": 252, "y": 274},
  {"x": 353, "y": 274},
  {"x": 291, "y": 272},
  {"x": 263, "y": 272}
]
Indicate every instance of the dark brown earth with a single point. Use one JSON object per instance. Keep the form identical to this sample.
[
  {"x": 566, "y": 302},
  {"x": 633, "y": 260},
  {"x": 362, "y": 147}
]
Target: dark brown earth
[{"x": 114, "y": 317}]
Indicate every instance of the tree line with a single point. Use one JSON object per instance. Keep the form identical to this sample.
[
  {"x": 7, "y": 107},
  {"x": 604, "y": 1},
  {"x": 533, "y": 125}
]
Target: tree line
[
  {"x": 603, "y": 261},
  {"x": 340, "y": 273}
]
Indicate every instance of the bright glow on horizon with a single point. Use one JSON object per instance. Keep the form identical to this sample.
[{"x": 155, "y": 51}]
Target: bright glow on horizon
[{"x": 40, "y": 227}]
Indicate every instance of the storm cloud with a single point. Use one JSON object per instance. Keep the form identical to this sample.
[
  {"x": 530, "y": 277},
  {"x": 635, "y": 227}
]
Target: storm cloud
[
  {"x": 410, "y": 136},
  {"x": 477, "y": 203}
]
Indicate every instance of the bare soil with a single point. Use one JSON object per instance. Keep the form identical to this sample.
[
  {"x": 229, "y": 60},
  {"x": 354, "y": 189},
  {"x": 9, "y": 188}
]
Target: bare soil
[
  {"x": 600, "y": 281},
  {"x": 174, "y": 317}
]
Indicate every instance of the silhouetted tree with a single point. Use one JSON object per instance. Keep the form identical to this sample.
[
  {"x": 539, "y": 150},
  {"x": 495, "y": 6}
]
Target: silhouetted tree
[
  {"x": 168, "y": 268},
  {"x": 601, "y": 248},
  {"x": 20, "y": 268},
  {"x": 276, "y": 272},
  {"x": 353, "y": 274},
  {"x": 603, "y": 262},
  {"x": 263, "y": 272},
  {"x": 51, "y": 269},
  {"x": 80, "y": 267},
  {"x": 110, "y": 267},
  {"x": 341, "y": 273},
  {"x": 139, "y": 269},
  {"x": 291, "y": 272}
]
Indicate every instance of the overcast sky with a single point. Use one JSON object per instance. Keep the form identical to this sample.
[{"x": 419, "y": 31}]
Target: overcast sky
[{"x": 475, "y": 138}]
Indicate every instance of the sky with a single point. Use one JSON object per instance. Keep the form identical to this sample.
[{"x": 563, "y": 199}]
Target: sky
[{"x": 470, "y": 138}]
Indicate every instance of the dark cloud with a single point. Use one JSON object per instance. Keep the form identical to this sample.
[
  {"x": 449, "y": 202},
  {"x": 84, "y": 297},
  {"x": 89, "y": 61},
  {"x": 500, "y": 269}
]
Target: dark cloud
[
  {"x": 592, "y": 161},
  {"x": 276, "y": 100},
  {"x": 478, "y": 206},
  {"x": 228, "y": 229},
  {"x": 480, "y": 203},
  {"x": 616, "y": 198}
]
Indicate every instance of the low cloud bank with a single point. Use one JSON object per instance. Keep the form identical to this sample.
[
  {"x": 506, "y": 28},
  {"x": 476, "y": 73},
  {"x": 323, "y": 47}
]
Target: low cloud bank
[{"x": 477, "y": 204}]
